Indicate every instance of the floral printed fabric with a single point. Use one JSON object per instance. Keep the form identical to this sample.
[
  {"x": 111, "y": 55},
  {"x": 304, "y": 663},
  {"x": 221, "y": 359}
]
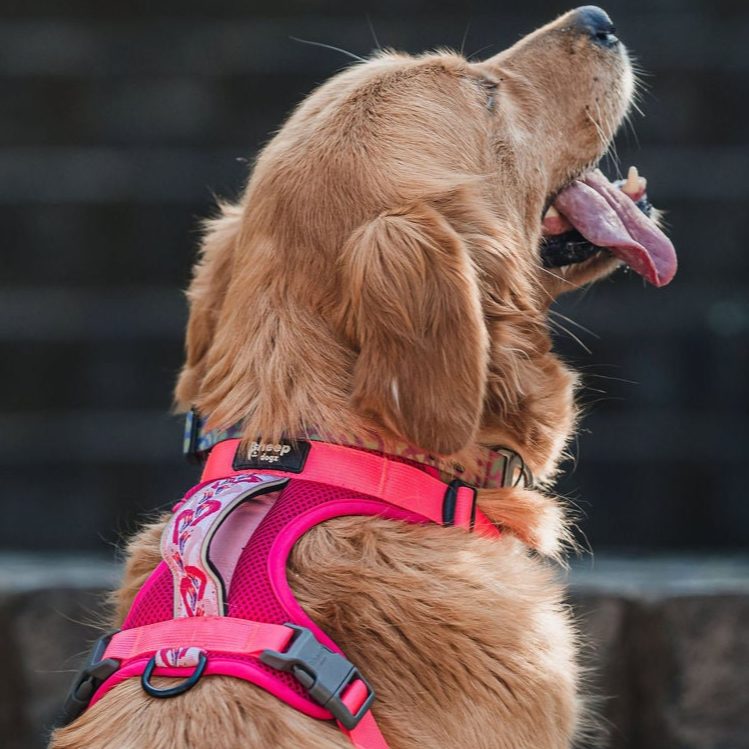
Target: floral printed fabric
[{"x": 198, "y": 588}]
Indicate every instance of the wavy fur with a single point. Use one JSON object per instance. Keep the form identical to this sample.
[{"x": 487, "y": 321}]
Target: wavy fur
[{"x": 381, "y": 276}]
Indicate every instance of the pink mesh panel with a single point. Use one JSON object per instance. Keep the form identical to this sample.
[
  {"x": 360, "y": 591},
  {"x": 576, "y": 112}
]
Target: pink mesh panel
[
  {"x": 155, "y": 602},
  {"x": 251, "y": 596}
]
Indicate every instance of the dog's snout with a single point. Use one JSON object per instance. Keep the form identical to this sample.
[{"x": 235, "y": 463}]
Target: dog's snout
[{"x": 595, "y": 22}]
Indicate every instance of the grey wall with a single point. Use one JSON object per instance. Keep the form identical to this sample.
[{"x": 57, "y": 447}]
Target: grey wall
[{"x": 119, "y": 121}]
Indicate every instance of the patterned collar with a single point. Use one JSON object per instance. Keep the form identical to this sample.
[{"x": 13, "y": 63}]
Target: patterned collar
[{"x": 495, "y": 467}]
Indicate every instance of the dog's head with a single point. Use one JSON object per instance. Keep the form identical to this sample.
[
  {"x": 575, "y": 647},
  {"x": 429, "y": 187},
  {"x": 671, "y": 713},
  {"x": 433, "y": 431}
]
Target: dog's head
[{"x": 382, "y": 272}]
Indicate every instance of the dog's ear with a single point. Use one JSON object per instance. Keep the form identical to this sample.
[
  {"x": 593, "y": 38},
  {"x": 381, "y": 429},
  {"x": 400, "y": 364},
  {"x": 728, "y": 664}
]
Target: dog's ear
[
  {"x": 206, "y": 293},
  {"x": 413, "y": 313}
]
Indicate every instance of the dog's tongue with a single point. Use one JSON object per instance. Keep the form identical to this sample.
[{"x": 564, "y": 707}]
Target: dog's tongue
[{"x": 607, "y": 217}]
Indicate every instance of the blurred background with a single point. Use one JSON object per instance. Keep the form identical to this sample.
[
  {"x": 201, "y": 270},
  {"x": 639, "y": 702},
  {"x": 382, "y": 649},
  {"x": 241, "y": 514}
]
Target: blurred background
[{"x": 119, "y": 124}]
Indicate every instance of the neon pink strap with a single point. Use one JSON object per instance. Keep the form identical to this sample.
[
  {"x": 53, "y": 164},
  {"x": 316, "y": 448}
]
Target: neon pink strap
[
  {"x": 237, "y": 636},
  {"x": 220, "y": 634},
  {"x": 398, "y": 484},
  {"x": 367, "y": 734}
]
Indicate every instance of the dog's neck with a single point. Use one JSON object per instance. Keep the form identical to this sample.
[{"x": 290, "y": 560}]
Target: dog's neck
[{"x": 494, "y": 467}]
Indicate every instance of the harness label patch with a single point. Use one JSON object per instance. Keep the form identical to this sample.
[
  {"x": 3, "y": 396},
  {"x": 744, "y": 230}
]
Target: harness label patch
[{"x": 283, "y": 455}]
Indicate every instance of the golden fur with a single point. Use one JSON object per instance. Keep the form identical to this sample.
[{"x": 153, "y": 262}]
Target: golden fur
[{"x": 381, "y": 276}]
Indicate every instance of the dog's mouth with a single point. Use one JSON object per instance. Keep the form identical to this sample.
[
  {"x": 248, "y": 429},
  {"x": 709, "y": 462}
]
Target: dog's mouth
[{"x": 592, "y": 215}]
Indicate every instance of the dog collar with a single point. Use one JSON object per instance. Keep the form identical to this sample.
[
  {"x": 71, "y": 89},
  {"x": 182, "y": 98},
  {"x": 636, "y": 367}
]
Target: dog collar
[
  {"x": 397, "y": 483},
  {"x": 496, "y": 467}
]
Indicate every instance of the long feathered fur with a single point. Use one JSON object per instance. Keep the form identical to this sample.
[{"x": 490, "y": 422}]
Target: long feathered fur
[{"x": 380, "y": 276}]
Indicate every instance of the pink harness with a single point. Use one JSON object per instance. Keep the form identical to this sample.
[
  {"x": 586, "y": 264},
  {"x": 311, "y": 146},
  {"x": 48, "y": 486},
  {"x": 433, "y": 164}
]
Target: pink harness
[{"x": 226, "y": 607}]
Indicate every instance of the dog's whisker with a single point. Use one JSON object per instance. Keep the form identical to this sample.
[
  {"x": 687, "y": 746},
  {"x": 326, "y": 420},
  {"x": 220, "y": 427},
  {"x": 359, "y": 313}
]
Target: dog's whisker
[
  {"x": 465, "y": 37},
  {"x": 479, "y": 51},
  {"x": 612, "y": 151},
  {"x": 629, "y": 123},
  {"x": 599, "y": 129},
  {"x": 587, "y": 374},
  {"x": 328, "y": 46},
  {"x": 558, "y": 326},
  {"x": 640, "y": 83},
  {"x": 640, "y": 73},
  {"x": 609, "y": 378},
  {"x": 374, "y": 33},
  {"x": 562, "y": 279},
  {"x": 636, "y": 106},
  {"x": 573, "y": 322}
]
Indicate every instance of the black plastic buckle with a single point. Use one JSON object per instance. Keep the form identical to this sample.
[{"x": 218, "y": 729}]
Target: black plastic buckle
[
  {"x": 90, "y": 677},
  {"x": 450, "y": 502},
  {"x": 323, "y": 673},
  {"x": 192, "y": 433}
]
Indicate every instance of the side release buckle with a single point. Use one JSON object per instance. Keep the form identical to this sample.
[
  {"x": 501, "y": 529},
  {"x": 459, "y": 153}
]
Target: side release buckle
[
  {"x": 91, "y": 676},
  {"x": 325, "y": 675}
]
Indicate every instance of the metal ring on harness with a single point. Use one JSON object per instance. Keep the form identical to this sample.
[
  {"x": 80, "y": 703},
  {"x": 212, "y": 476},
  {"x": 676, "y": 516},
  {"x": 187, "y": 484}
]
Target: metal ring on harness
[{"x": 181, "y": 688}]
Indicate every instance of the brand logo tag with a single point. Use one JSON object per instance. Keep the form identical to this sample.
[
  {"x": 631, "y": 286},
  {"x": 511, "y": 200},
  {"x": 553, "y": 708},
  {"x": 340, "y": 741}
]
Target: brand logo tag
[{"x": 283, "y": 455}]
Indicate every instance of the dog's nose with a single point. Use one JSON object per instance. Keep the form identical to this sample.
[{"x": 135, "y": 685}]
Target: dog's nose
[{"x": 595, "y": 22}]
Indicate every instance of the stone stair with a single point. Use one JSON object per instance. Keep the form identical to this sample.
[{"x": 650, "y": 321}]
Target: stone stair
[{"x": 666, "y": 641}]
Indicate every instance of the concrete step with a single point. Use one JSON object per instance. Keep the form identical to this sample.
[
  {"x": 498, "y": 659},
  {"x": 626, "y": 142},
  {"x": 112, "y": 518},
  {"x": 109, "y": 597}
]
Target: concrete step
[{"x": 667, "y": 644}]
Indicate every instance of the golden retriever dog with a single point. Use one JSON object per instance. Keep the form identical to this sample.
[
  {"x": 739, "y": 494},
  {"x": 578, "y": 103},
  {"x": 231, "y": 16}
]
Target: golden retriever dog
[{"x": 387, "y": 274}]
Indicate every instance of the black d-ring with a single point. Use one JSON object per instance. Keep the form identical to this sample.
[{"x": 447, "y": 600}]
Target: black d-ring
[{"x": 181, "y": 688}]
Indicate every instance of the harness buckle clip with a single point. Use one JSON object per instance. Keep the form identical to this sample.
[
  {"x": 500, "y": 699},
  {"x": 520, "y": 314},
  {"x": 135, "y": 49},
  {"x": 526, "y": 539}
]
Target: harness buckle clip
[
  {"x": 94, "y": 672},
  {"x": 452, "y": 513},
  {"x": 325, "y": 675}
]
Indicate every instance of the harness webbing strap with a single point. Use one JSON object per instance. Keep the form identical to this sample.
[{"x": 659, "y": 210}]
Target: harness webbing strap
[
  {"x": 398, "y": 484},
  {"x": 222, "y": 634},
  {"x": 240, "y": 637},
  {"x": 367, "y": 734}
]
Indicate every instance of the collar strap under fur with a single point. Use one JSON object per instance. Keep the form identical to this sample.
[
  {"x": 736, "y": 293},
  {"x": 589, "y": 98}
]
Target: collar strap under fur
[{"x": 498, "y": 467}]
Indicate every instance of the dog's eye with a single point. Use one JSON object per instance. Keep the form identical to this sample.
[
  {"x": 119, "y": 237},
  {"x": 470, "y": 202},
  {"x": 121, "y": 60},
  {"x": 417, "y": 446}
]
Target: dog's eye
[{"x": 489, "y": 87}]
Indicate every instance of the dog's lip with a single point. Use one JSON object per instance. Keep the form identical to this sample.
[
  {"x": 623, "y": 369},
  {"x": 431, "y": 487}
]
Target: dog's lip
[{"x": 606, "y": 215}]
